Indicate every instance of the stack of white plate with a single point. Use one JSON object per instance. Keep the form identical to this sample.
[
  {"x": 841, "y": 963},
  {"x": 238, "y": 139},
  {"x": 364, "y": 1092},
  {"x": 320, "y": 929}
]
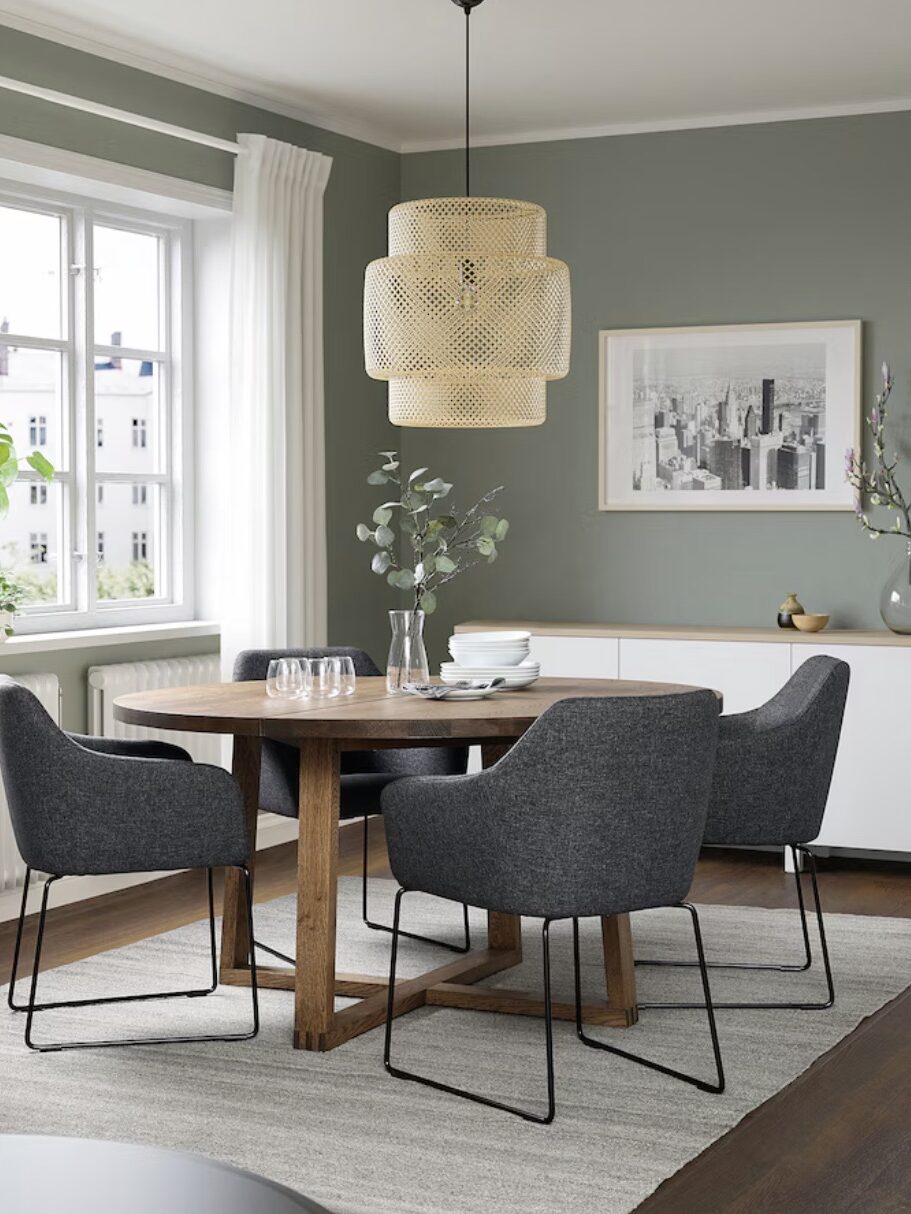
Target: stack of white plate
[{"x": 491, "y": 655}]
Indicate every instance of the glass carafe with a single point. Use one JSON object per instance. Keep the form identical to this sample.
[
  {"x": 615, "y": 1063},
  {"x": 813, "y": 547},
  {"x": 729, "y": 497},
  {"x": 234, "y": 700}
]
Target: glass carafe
[{"x": 407, "y": 655}]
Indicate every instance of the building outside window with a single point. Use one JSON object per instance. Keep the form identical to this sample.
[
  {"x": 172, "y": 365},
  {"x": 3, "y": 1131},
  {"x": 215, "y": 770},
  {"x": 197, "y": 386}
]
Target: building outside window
[
  {"x": 37, "y": 431},
  {"x": 37, "y": 543},
  {"x": 110, "y": 416}
]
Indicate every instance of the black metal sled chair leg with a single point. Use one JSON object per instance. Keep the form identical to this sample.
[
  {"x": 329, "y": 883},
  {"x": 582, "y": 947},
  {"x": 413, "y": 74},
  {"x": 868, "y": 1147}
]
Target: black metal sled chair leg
[
  {"x": 718, "y": 1086},
  {"x": 33, "y": 1006},
  {"x": 525, "y": 1114}
]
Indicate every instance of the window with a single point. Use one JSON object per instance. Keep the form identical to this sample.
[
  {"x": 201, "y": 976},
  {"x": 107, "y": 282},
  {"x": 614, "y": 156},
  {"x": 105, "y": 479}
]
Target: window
[
  {"x": 94, "y": 300},
  {"x": 37, "y": 546},
  {"x": 37, "y": 431}
]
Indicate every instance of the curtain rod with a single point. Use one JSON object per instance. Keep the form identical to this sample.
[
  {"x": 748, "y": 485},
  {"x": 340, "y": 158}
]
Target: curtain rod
[{"x": 107, "y": 111}]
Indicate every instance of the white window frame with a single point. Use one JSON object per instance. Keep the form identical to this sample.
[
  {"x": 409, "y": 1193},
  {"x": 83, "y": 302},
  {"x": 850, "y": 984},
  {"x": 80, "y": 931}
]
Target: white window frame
[{"x": 77, "y": 527}]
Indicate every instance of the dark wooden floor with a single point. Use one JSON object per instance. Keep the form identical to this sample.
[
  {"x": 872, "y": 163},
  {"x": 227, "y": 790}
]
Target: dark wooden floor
[{"x": 835, "y": 1141}]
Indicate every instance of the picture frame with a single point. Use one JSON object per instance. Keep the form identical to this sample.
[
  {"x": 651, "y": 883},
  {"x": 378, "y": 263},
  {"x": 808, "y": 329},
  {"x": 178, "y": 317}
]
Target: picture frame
[{"x": 728, "y": 417}]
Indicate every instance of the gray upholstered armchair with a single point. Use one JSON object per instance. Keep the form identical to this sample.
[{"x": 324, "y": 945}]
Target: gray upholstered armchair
[
  {"x": 83, "y": 806},
  {"x": 598, "y": 810},
  {"x": 772, "y": 776},
  {"x": 364, "y": 773}
]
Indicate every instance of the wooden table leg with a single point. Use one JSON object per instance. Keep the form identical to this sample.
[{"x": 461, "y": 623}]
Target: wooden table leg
[
  {"x": 235, "y": 940},
  {"x": 317, "y": 874},
  {"x": 620, "y": 966}
]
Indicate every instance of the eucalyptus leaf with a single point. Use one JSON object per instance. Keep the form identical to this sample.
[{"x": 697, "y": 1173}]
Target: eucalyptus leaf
[
  {"x": 485, "y": 545},
  {"x": 428, "y": 602},
  {"x": 363, "y": 532},
  {"x": 489, "y": 524},
  {"x": 502, "y": 530},
  {"x": 445, "y": 564},
  {"x": 377, "y": 478},
  {"x": 438, "y": 487},
  {"x": 417, "y": 472},
  {"x": 381, "y": 561},
  {"x": 430, "y": 564},
  {"x": 402, "y": 579},
  {"x": 41, "y": 465},
  {"x": 383, "y": 537},
  {"x": 492, "y": 557},
  {"x": 388, "y": 454},
  {"x": 9, "y": 470},
  {"x": 382, "y": 515}
]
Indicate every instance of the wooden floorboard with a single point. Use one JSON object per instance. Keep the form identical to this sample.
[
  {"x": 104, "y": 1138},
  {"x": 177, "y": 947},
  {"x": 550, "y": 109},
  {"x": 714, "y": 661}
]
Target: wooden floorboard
[{"x": 835, "y": 1141}]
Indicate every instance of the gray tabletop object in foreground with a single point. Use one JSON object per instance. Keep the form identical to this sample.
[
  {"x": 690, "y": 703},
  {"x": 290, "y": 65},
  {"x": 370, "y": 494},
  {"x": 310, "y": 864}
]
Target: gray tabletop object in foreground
[{"x": 82, "y": 1176}]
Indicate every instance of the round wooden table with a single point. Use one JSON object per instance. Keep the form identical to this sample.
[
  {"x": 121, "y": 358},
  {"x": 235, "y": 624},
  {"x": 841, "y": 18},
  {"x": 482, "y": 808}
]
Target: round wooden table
[{"x": 367, "y": 720}]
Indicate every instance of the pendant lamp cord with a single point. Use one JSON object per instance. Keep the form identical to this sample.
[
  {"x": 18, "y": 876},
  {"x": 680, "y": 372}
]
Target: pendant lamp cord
[{"x": 467, "y": 97}]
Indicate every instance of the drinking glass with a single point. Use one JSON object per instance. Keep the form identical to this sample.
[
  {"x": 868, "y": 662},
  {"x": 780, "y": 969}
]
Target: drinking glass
[
  {"x": 347, "y": 679},
  {"x": 286, "y": 679},
  {"x": 324, "y": 678}
]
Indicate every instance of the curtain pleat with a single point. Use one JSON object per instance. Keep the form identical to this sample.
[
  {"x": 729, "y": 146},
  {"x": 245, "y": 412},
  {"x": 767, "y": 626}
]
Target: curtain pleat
[{"x": 275, "y": 590}]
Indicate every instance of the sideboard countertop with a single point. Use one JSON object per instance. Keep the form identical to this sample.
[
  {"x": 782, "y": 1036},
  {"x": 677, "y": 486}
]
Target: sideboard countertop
[{"x": 695, "y": 632}]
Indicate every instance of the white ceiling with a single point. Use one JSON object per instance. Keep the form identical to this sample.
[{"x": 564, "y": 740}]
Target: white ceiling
[{"x": 391, "y": 70}]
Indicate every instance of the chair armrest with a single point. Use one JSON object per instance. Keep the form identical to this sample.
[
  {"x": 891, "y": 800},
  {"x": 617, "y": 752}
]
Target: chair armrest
[
  {"x": 437, "y": 830},
  {"x": 146, "y": 748}
]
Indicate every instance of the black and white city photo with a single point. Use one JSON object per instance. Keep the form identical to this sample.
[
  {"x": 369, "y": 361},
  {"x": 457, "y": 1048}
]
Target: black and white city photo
[{"x": 743, "y": 417}]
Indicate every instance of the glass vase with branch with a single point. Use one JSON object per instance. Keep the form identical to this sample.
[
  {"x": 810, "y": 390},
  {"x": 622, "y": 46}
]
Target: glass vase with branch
[
  {"x": 422, "y": 543},
  {"x": 876, "y": 488}
]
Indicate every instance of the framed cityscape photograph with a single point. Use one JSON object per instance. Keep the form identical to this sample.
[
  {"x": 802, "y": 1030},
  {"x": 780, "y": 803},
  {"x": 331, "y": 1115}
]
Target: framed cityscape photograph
[{"x": 729, "y": 417}]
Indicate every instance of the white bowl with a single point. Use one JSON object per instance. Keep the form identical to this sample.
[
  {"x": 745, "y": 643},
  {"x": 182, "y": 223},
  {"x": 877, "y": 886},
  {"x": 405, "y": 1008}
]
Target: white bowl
[
  {"x": 485, "y": 638},
  {"x": 481, "y": 657}
]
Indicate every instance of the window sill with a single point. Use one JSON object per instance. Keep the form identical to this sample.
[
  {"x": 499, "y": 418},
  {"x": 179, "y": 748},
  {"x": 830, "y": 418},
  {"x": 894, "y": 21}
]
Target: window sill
[{"x": 94, "y": 638}]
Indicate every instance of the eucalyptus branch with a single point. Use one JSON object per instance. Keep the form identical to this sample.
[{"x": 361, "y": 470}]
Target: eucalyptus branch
[{"x": 440, "y": 538}]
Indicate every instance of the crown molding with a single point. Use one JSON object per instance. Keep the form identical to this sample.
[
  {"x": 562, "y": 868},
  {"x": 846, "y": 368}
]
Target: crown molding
[
  {"x": 81, "y": 36},
  {"x": 705, "y": 121}
]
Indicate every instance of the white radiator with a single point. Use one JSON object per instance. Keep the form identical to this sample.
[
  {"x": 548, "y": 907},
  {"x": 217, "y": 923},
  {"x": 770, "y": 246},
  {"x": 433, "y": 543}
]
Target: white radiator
[
  {"x": 106, "y": 683},
  {"x": 12, "y": 869}
]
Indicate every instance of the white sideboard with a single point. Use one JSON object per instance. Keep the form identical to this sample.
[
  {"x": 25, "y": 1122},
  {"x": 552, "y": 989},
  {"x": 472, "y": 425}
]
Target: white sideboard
[{"x": 868, "y": 808}]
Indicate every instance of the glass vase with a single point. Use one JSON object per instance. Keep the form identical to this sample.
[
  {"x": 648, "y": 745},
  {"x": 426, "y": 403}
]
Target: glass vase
[
  {"x": 895, "y": 600},
  {"x": 407, "y": 656}
]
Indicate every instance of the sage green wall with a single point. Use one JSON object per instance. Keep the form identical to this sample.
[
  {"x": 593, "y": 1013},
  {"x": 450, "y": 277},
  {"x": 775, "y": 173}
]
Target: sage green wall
[
  {"x": 363, "y": 185},
  {"x": 790, "y": 221}
]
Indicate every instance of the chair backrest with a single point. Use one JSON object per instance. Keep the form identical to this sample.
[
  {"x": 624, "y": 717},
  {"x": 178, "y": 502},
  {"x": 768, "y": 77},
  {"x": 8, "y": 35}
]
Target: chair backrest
[
  {"x": 253, "y": 665},
  {"x": 600, "y": 806},
  {"x": 33, "y": 759},
  {"x": 774, "y": 765}
]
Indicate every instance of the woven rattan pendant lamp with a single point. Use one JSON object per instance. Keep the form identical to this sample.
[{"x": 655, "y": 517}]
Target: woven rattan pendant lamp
[{"x": 467, "y": 318}]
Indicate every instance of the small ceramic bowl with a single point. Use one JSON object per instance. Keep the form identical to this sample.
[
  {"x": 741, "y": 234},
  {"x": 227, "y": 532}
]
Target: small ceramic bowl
[{"x": 810, "y": 622}]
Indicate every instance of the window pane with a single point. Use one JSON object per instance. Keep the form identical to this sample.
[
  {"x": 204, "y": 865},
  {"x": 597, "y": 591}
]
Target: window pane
[
  {"x": 127, "y": 288},
  {"x": 31, "y": 395},
  {"x": 31, "y": 541},
  {"x": 30, "y": 298},
  {"x": 126, "y": 415},
  {"x": 127, "y": 524}
]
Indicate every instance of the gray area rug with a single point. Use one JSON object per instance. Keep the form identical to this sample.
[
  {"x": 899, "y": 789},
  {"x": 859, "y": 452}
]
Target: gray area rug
[{"x": 336, "y": 1127}]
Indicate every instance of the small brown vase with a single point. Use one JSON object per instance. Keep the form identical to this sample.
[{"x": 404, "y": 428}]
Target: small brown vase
[{"x": 789, "y": 608}]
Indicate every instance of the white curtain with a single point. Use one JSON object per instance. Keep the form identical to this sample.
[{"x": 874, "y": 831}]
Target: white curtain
[{"x": 275, "y": 562}]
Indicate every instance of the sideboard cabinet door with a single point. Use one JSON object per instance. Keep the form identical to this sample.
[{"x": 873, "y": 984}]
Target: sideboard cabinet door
[
  {"x": 564, "y": 657},
  {"x": 747, "y": 673},
  {"x": 868, "y": 801}
]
